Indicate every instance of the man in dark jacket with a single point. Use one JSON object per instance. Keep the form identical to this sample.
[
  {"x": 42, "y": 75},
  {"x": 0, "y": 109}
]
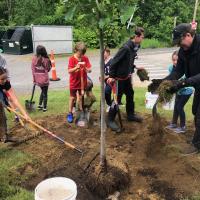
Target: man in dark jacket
[
  {"x": 188, "y": 64},
  {"x": 121, "y": 68}
]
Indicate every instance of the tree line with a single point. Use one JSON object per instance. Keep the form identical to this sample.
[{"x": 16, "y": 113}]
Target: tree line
[{"x": 156, "y": 16}]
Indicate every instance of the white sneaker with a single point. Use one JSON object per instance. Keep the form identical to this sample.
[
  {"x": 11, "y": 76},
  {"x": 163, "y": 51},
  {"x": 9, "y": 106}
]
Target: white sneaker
[
  {"x": 180, "y": 130},
  {"x": 107, "y": 109}
]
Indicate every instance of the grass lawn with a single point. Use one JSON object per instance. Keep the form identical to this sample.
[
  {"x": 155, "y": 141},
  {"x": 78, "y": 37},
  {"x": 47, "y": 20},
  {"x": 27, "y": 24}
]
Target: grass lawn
[
  {"x": 11, "y": 159},
  {"x": 58, "y": 103}
]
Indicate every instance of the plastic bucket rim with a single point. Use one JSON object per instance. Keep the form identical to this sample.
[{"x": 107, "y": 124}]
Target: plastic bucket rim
[{"x": 74, "y": 194}]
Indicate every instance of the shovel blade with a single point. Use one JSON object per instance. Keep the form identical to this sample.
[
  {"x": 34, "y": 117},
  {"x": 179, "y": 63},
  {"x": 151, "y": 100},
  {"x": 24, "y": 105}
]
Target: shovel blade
[
  {"x": 82, "y": 120},
  {"x": 30, "y": 105}
]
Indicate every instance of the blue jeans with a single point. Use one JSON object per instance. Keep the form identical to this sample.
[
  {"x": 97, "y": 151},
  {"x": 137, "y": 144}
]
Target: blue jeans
[
  {"x": 108, "y": 92},
  {"x": 180, "y": 102}
]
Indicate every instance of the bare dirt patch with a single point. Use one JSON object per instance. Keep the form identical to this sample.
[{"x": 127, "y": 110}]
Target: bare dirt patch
[{"x": 157, "y": 168}]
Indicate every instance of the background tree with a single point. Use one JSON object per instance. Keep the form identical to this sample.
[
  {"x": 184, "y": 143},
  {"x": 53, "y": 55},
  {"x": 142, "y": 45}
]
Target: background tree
[
  {"x": 103, "y": 15},
  {"x": 156, "y": 16}
]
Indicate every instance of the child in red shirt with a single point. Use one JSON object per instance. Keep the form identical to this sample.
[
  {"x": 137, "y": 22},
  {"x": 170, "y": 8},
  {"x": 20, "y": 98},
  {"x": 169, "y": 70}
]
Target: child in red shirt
[{"x": 78, "y": 67}]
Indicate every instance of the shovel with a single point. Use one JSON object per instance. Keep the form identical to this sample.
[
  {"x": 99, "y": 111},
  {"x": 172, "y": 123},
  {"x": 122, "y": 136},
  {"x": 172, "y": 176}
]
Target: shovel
[
  {"x": 154, "y": 110},
  {"x": 82, "y": 118},
  {"x": 115, "y": 107},
  {"x": 30, "y": 104},
  {"x": 47, "y": 131},
  {"x": 118, "y": 110}
]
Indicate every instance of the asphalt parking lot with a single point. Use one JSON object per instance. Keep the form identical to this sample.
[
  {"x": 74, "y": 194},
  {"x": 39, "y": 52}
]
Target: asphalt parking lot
[{"x": 19, "y": 66}]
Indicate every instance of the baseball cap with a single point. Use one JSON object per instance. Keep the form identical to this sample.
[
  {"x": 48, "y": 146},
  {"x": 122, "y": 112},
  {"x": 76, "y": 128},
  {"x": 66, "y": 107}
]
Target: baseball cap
[{"x": 179, "y": 31}]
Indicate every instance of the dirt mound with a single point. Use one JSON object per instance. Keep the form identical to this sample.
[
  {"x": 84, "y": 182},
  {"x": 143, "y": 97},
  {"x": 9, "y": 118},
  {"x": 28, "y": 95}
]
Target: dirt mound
[
  {"x": 107, "y": 181},
  {"x": 156, "y": 166}
]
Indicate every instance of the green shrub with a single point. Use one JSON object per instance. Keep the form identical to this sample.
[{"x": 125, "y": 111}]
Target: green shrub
[
  {"x": 86, "y": 35},
  {"x": 112, "y": 36},
  {"x": 153, "y": 43}
]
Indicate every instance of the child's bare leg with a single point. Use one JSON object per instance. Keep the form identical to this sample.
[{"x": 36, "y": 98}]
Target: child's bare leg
[
  {"x": 71, "y": 103},
  {"x": 12, "y": 105}
]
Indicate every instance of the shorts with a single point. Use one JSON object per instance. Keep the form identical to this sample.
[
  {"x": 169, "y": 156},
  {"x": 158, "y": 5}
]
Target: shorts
[{"x": 73, "y": 92}]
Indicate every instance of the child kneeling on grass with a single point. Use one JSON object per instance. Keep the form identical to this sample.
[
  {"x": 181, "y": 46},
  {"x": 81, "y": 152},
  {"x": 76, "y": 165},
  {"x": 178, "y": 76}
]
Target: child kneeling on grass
[{"x": 78, "y": 67}]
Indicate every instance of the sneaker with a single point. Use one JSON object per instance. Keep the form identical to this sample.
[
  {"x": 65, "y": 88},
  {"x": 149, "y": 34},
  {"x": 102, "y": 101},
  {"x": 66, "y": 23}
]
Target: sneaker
[
  {"x": 44, "y": 109},
  {"x": 70, "y": 118},
  {"x": 134, "y": 117},
  {"x": 180, "y": 130},
  {"x": 40, "y": 107},
  {"x": 190, "y": 150},
  {"x": 7, "y": 139},
  {"x": 171, "y": 126},
  {"x": 107, "y": 109}
]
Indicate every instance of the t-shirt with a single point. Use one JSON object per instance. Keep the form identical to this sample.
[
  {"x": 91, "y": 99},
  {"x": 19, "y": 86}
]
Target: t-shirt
[
  {"x": 75, "y": 77},
  {"x": 107, "y": 67}
]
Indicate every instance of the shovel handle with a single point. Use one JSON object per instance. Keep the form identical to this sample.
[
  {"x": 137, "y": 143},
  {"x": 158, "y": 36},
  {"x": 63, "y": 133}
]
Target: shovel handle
[
  {"x": 45, "y": 130},
  {"x": 32, "y": 95},
  {"x": 154, "y": 110},
  {"x": 82, "y": 83}
]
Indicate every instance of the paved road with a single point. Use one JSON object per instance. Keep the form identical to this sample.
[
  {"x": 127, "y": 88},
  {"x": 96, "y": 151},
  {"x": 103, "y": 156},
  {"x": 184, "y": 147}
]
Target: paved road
[{"x": 154, "y": 60}]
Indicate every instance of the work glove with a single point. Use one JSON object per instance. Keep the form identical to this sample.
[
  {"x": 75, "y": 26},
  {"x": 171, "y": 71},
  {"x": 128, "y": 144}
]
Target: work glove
[
  {"x": 143, "y": 74},
  {"x": 177, "y": 85},
  {"x": 152, "y": 87}
]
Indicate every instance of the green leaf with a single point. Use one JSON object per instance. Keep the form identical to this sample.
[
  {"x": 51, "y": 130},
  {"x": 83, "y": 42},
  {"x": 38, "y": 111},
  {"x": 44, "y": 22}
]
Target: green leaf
[
  {"x": 80, "y": 17},
  {"x": 70, "y": 13},
  {"x": 103, "y": 22},
  {"x": 126, "y": 13}
]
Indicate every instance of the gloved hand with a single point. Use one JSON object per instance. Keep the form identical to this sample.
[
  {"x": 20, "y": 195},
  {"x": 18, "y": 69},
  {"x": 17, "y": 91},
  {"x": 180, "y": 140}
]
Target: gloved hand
[
  {"x": 177, "y": 85},
  {"x": 152, "y": 87}
]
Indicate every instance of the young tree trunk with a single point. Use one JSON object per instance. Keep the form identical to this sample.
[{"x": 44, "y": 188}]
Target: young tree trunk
[
  {"x": 103, "y": 127},
  {"x": 9, "y": 7},
  {"x": 195, "y": 10}
]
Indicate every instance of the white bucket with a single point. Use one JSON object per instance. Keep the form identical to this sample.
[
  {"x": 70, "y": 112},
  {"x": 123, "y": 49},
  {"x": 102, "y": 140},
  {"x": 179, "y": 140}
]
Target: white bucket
[
  {"x": 169, "y": 105},
  {"x": 150, "y": 100},
  {"x": 58, "y": 188}
]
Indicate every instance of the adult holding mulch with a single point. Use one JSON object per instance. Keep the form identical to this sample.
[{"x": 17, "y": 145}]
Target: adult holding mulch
[{"x": 121, "y": 69}]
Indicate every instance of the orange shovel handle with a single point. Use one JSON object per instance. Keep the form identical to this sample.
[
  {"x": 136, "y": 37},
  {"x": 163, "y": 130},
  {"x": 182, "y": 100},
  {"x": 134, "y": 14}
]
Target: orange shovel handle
[{"x": 45, "y": 130}]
